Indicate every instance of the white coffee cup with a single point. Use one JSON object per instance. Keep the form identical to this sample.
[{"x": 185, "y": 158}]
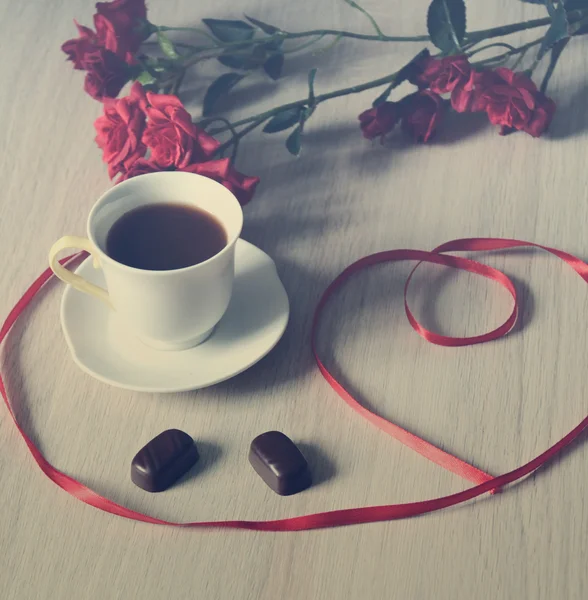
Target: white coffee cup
[{"x": 167, "y": 310}]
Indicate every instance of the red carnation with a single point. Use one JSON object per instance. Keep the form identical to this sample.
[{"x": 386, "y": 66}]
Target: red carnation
[
  {"x": 379, "y": 120},
  {"x": 106, "y": 73},
  {"x": 220, "y": 170},
  {"x": 119, "y": 131},
  {"x": 223, "y": 171},
  {"x": 172, "y": 137},
  {"x": 120, "y": 29},
  {"x": 141, "y": 166},
  {"x": 541, "y": 116},
  {"x": 421, "y": 113},
  {"x": 109, "y": 38},
  {"x": 119, "y": 25},
  {"x": 513, "y": 101},
  {"x": 123, "y": 13},
  {"x": 77, "y": 48},
  {"x": 452, "y": 74}
]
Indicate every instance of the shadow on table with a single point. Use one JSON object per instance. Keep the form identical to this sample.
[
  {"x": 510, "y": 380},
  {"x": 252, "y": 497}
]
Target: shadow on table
[
  {"x": 571, "y": 117},
  {"x": 210, "y": 453},
  {"x": 339, "y": 134},
  {"x": 320, "y": 464},
  {"x": 292, "y": 358},
  {"x": 308, "y": 178},
  {"x": 14, "y": 379},
  {"x": 246, "y": 95},
  {"x": 258, "y": 87},
  {"x": 459, "y": 126}
]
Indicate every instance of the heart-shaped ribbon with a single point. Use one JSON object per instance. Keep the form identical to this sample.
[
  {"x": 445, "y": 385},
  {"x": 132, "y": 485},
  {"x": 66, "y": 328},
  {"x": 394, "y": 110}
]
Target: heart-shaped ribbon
[{"x": 369, "y": 514}]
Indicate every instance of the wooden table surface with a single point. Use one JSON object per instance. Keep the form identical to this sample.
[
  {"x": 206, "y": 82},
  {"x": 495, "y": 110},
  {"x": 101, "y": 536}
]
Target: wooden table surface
[{"x": 496, "y": 405}]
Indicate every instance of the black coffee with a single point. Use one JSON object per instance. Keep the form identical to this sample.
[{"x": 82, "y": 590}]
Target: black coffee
[{"x": 161, "y": 237}]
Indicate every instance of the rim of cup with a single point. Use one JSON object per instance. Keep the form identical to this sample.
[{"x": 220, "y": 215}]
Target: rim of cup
[{"x": 161, "y": 175}]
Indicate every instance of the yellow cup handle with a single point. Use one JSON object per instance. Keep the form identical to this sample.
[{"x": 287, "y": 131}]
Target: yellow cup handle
[{"x": 79, "y": 283}]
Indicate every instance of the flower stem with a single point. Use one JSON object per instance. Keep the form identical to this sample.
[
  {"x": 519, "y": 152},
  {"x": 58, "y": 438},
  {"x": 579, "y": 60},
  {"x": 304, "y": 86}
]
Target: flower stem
[
  {"x": 330, "y": 45},
  {"x": 505, "y": 55},
  {"x": 304, "y": 45},
  {"x": 495, "y": 45},
  {"x": 573, "y": 16},
  {"x": 355, "y": 89},
  {"x": 472, "y": 37},
  {"x": 208, "y": 121},
  {"x": 237, "y": 137},
  {"x": 555, "y": 54},
  {"x": 197, "y": 55},
  {"x": 367, "y": 14},
  {"x": 471, "y": 40},
  {"x": 178, "y": 82},
  {"x": 191, "y": 29}
]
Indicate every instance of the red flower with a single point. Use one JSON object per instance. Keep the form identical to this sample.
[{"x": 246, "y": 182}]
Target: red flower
[
  {"x": 222, "y": 171},
  {"x": 541, "y": 117},
  {"x": 119, "y": 131},
  {"x": 119, "y": 25},
  {"x": 110, "y": 39},
  {"x": 452, "y": 74},
  {"x": 513, "y": 101},
  {"x": 172, "y": 137},
  {"x": 141, "y": 166},
  {"x": 421, "y": 113},
  {"x": 106, "y": 73},
  {"x": 77, "y": 48},
  {"x": 120, "y": 28},
  {"x": 123, "y": 13},
  {"x": 379, "y": 120}
]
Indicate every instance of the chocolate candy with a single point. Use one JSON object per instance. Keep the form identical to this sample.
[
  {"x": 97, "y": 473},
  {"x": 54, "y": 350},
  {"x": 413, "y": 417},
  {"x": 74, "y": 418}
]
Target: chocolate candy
[
  {"x": 279, "y": 463},
  {"x": 163, "y": 460}
]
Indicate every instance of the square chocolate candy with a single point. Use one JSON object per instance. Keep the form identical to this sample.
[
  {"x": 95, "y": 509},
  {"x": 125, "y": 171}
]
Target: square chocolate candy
[
  {"x": 279, "y": 462},
  {"x": 162, "y": 461}
]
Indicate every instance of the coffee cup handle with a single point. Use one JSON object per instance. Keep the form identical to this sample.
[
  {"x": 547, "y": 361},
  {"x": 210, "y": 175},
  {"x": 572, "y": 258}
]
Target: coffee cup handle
[{"x": 79, "y": 283}]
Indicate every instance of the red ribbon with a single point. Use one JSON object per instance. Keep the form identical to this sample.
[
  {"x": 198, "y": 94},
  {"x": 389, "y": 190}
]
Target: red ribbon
[{"x": 369, "y": 514}]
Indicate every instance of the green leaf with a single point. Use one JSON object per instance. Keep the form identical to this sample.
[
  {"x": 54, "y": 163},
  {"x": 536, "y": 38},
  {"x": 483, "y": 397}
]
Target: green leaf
[
  {"x": 558, "y": 30},
  {"x": 155, "y": 65},
  {"x": 273, "y": 45},
  {"x": 219, "y": 88},
  {"x": 576, "y": 4},
  {"x": 549, "y": 6},
  {"x": 245, "y": 60},
  {"x": 579, "y": 27},
  {"x": 283, "y": 120},
  {"x": 294, "y": 141},
  {"x": 167, "y": 46},
  {"x": 273, "y": 65},
  {"x": 230, "y": 31},
  {"x": 235, "y": 61},
  {"x": 269, "y": 29},
  {"x": 146, "y": 78},
  {"x": 311, "y": 76},
  {"x": 446, "y": 23}
]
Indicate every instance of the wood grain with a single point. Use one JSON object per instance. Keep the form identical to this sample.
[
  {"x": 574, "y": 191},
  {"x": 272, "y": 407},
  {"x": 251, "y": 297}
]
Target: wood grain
[{"x": 496, "y": 405}]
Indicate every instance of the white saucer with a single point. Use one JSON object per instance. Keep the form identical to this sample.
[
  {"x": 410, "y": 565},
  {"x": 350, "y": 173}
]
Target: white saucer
[{"x": 254, "y": 322}]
